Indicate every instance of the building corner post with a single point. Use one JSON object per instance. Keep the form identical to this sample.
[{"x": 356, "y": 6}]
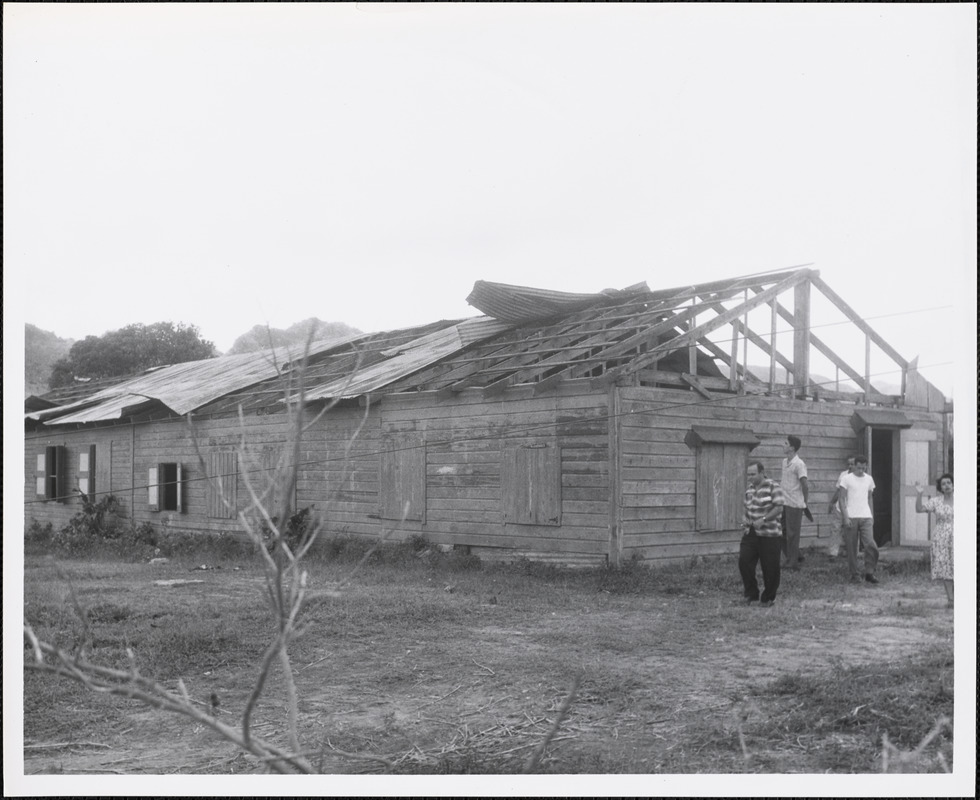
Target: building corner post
[
  {"x": 615, "y": 528},
  {"x": 801, "y": 338}
]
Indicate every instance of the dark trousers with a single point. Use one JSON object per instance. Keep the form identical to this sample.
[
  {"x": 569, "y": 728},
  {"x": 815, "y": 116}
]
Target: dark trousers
[
  {"x": 764, "y": 550},
  {"x": 792, "y": 525}
]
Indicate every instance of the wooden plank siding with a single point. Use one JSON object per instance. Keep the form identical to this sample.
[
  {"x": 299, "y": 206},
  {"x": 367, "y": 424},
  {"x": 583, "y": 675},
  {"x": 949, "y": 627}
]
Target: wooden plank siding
[
  {"x": 111, "y": 470},
  {"x": 658, "y": 472},
  {"x": 470, "y": 441},
  {"x": 627, "y": 482}
]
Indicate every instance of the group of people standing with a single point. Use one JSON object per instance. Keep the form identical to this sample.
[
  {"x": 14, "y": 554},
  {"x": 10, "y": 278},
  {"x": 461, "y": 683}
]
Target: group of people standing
[{"x": 774, "y": 514}]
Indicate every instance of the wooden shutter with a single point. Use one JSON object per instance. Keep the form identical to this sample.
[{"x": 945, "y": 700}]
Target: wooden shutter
[
  {"x": 401, "y": 478},
  {"x": 179, "y": 507},
  {"x": 41, "y": 487},
  {"x": 223, "y": 485},
  {"x": 720, "y": 486},
  {"x": 153, "y": 489},
  {"x": 86, "y": 472},
  {"x": 55, "y": 473},
  {"x": 531, "y": 485}
]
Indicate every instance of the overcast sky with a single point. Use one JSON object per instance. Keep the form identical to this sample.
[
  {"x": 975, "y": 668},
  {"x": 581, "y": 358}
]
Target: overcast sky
[{"x": 228, "y": 165}]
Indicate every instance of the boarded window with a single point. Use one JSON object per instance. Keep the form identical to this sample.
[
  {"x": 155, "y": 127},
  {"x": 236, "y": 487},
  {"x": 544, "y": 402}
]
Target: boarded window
[
  {"x": 165, "y": 487},
  {"x": 86, "y": 472},
  {"x": 531, "y": 484},
  {"x": 401, "y": 478},
  {"x": 52, "y": 474},
  {"x": 223, "y": 485},
  {"x": 266, "y": 473},
  {"x": 721, "y": 484},
  {"x": 722, "y": 457}
]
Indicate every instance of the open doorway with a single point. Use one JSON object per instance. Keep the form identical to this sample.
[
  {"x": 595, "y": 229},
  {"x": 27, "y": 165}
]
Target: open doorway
[{"x": 883, "y": 471}]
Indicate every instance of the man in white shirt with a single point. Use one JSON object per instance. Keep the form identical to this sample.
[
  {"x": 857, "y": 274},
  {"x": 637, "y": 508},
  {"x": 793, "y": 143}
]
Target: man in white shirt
[
  {"x": 795, "y": 492},
  {"x": 836, "y": 516},
  {"x": 857, "y": 502}
]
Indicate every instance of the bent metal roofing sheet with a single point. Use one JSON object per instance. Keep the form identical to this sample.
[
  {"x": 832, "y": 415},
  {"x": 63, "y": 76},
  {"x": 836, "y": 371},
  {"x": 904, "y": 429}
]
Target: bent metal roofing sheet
[
  {"x": 409, "y": 357},
  {"x": 180, "y": 387}
]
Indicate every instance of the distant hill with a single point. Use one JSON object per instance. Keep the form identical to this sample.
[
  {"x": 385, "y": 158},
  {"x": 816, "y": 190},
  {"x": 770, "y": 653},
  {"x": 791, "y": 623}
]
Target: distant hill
[
  {"x": 846, "y": 385},
  {"x": 41, "y": 349},
  {"x": 262, "y": 337}
]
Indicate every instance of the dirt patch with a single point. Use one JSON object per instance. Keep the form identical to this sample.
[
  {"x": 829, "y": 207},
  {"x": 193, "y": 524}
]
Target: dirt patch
[{"x": 399, "y": 673}]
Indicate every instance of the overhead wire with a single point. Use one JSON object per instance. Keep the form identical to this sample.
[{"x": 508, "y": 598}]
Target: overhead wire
[{"x": 513, "y": 433}]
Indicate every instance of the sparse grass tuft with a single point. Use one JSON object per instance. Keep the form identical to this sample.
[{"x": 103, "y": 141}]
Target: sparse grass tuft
[{"x": 862, "y": 703}]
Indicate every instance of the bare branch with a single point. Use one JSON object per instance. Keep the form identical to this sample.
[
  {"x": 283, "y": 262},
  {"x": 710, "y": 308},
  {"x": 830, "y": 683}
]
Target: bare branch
[
  {"x": 107, "y": 680},
  {"x": 562, "y": 711}
]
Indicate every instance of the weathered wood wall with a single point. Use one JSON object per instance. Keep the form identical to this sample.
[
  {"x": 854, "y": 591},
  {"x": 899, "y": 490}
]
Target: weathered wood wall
[
  {"x": 464, "y": 442},
  {"x": 113, "y": 447},
  {"x": 627, "y": 482},
  {"x": 659, "y": 471},
  {"x": 467, "y": 439}
]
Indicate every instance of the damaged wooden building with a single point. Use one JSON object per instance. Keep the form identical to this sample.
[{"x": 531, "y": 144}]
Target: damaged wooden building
[{"x": 580, "y": 428}]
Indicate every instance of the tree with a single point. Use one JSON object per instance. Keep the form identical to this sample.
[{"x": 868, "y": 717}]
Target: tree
[
  {"x": 131, "y": 349},
  {"x": 262, "y": 337},
  {"x": 41, "y": 350}
]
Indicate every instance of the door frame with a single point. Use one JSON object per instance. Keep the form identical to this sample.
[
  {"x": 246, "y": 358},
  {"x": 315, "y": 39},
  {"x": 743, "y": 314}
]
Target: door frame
[{"x": 906, "y": 489}]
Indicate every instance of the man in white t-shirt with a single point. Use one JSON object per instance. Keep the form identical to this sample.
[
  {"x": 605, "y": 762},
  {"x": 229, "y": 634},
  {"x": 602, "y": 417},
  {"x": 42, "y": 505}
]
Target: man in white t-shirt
[
  {"x": 836, "y": 515},
  {"x": 795, "y": 491},
  {"x": 857, "y": 502}
]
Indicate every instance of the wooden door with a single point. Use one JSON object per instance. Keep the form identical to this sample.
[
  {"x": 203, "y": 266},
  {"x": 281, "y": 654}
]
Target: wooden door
[{"x": 916, "y": 449}]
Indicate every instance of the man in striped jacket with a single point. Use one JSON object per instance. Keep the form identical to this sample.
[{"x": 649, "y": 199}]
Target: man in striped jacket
[{"x": 761, "y": 535}]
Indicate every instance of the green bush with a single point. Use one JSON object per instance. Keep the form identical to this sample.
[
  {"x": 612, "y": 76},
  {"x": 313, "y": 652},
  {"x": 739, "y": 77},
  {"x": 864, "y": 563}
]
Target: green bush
[
  {"x": 36, "y": 533},
  {"x": 96, "y": 522},
  {"x": 142, "y": 534}
]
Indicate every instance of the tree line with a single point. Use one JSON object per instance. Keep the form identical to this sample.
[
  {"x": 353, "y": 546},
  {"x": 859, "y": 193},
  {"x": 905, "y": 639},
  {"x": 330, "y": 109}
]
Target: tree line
[
  {"x": 139, "y": 347},
  {"x": 129, "y": 350}
]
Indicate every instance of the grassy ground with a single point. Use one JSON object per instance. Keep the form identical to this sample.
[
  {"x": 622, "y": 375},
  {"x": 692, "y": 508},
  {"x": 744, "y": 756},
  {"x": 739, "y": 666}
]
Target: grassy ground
[{"x": 433, "y": 663}]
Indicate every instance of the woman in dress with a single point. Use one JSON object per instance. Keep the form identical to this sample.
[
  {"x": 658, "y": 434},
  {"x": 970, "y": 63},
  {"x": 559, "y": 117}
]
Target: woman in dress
[{"x": 942, "y": 534}]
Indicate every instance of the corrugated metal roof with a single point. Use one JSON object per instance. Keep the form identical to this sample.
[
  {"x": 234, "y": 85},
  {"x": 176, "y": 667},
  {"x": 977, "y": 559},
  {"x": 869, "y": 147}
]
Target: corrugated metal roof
[
  {"x": 409, "y": 357},
  {"x": 533, "y": 336},
  {"x": 524, "y": 303},
  {"x": 180, "y": 387}
]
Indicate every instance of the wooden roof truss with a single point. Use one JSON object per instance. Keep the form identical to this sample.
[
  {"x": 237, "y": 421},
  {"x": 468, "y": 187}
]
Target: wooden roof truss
[{"x": 642, "y": 337}]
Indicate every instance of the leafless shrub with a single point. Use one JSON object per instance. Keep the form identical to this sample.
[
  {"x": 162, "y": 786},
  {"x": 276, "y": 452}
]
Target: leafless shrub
[{"x": 894, "y": 759}]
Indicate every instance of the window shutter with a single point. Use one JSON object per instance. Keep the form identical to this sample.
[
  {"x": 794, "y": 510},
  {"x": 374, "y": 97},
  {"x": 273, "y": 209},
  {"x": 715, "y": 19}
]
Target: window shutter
[
  {"x": 153, "y": 489},
  {"x": 721, "y": 484},
  {"x": 531, "y": 485},
  {"x": 42, "y": 476},
  {"x": 61, "y": 484},
  {"x": 86, "y": 472},
  {"x": 51, "y": 472},
  {"x": 55, "y": 473},
  {"x": 223, "y": 485},
  {"x": 180, "y": 489},
  {"x": 401, "y": 478}
]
